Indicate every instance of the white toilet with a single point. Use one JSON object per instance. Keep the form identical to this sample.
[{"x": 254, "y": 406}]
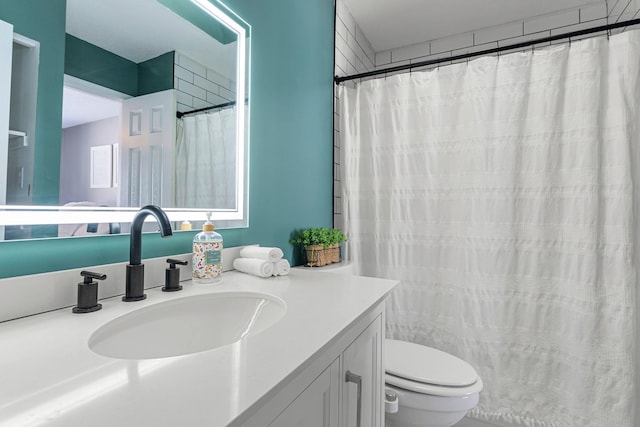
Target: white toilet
[{"x": 433, "y": 388}]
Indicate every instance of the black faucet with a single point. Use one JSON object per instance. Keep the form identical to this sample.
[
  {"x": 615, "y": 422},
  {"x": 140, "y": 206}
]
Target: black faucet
[{"x": 134, "y": 288}]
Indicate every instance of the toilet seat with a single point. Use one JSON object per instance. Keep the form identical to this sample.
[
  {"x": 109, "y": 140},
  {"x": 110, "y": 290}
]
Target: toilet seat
[
  {"x": 433, "y": 390},
  {"x": 425, "y": 370}
]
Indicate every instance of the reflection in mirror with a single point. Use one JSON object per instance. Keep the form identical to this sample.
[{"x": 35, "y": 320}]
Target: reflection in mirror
[{"x": 154, "y": 112}]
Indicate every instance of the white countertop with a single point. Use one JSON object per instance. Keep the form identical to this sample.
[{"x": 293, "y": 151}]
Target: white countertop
[{"x": 49, "y": 376}]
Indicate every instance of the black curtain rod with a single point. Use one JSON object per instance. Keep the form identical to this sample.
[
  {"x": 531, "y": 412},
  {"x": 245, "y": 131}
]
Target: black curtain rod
[
  {"x": 199, "y": 110},
  {"x": 521, "y": 45}
]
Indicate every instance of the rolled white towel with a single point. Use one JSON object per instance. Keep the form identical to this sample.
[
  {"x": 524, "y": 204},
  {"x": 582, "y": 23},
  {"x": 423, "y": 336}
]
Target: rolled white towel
[
  {"x": 262, "y": 252},
  {"x": 281, "y": 268},
  {"x": 254, "y": 266}
]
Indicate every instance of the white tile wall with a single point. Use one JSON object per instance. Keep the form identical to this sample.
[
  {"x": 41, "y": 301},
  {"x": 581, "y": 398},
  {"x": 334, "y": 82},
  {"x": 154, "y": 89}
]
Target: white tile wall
[
  {"x": 353, "y": 52},
  {"x": 191, "y": 89},
  {"x": 621, "y": 10},
  {"x": 451, "y": 43},
  {"x": 410, "y": 52},
  {"x": 198, "y": 86},
  {"x": 593, "y": 15},
  {"x": 500, "y": 32},
  {"x": 596, "y": 11},
  {"x": 547, "y": 22}
]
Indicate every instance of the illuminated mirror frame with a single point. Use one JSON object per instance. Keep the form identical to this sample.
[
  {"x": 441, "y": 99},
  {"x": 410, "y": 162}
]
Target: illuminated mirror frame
[{"x": 224, "y": 218}]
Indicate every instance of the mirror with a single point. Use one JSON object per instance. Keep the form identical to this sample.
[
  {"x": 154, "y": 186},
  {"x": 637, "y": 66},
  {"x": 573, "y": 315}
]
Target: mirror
[{"x": 155, "y": 112}]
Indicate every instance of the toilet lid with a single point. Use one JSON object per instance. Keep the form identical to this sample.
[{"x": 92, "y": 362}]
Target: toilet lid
[{"x": 427, "y": 365}]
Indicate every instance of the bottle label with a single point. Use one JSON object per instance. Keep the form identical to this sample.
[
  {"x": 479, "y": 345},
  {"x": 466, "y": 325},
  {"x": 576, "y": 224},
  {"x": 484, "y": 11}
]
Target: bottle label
[
  {"x": 207, "y": 261},
  {"x": 213, "y": 257}
]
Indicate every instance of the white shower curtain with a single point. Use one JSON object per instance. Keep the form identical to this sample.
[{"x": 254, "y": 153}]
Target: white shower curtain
[
  {"x": 206, "y": 160},
  {"x": 503, "y": 193}
]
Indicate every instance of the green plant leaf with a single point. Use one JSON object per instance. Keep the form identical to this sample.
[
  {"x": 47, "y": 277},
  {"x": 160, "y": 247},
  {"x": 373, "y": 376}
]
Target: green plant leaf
[{"x": 318, "y": 236}]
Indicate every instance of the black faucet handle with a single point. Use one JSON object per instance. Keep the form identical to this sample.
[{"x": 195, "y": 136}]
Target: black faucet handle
[
  {"x": 172, "y": 262},
  {"x": 172, "y": 275},
  {"x": 88, "y": 293},
  {"x": 90, "y": 275}
]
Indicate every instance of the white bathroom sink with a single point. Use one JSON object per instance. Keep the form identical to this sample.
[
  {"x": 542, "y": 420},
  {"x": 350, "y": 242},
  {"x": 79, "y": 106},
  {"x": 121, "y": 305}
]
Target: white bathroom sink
[{"x": 187, "y": 325}]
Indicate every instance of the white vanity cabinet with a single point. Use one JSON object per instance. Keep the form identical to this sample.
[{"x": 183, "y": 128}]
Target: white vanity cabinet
[
  {"x": 291, "y": 374},
  {"x": 348, "y": 392},
  {"x": 363, "y": 359},
  {"x": 317, "y": 405}
]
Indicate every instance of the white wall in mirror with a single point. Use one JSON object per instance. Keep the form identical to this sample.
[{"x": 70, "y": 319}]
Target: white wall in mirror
[{"x": 81, "y": 106}]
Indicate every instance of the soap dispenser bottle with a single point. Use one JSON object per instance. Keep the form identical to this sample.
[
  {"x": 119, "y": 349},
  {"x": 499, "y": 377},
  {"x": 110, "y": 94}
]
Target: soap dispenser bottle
[{"x": 207, "y": 254}]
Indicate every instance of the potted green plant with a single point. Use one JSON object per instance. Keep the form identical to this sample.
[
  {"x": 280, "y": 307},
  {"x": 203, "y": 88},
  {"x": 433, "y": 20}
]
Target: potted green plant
[{"x": 321, "y": 245}]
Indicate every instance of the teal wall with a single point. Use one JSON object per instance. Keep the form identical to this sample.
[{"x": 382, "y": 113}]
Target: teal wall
[
  {"x": 291, "y": 144},
  {"x": 156, "y": 74},
  {"x": 44, "y": 21},
  {"x": 96, "y": 65}
]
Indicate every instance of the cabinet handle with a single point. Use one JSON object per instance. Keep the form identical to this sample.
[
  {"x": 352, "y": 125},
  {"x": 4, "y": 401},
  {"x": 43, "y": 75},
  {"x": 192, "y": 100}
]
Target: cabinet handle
[{"x": 350, "y": 377}]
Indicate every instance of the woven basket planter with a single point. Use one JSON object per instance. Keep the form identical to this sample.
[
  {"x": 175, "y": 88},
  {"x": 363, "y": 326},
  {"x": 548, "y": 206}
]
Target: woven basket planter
[
  {"x": 335, "y": 253},
  {"x": 318, "y": 256}
]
